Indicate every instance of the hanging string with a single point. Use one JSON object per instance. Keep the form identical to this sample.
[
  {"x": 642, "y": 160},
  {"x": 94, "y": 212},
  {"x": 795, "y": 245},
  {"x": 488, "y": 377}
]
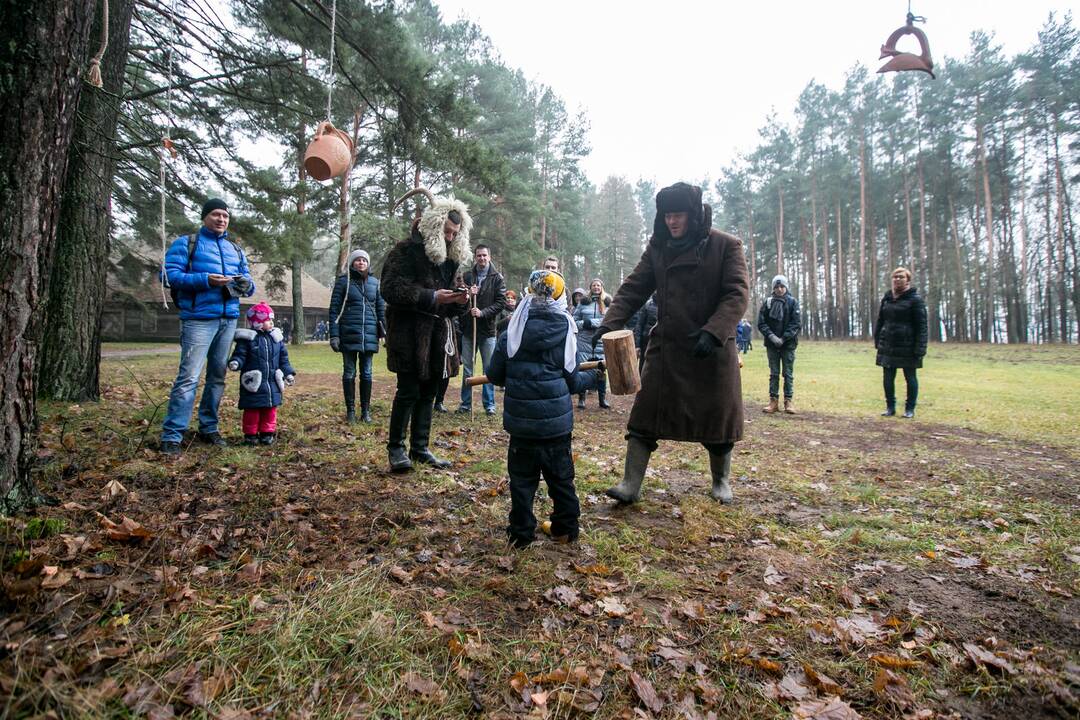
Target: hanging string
[
  {"x": 93, "y": 73},
  {"x": 166, "y": 151},
  {"x": 333, "y": 35}
]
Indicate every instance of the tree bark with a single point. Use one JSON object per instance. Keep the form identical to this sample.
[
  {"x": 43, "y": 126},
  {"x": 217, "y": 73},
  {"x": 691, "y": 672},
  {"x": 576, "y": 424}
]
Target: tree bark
[
  {"x": 42, "y": 47},
  {"x": 70, "y": 358},
  {"x": 990, "y": 322},
  {"x": 299, "y": 327}
]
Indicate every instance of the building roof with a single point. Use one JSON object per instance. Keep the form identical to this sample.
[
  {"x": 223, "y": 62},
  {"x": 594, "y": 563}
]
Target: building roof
[{"x": 316, "y": 295}]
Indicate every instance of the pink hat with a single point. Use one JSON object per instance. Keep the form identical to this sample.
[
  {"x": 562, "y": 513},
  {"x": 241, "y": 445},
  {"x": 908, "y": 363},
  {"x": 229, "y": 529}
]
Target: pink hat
[{"x": 260, "y": 313}]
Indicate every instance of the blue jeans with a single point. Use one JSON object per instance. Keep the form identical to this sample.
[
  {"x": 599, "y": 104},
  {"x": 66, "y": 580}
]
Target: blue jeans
[
  {"x": 349, "y": 358},
  {"x": 486, "y": 346},
  {"x": 202, "y": 342}
]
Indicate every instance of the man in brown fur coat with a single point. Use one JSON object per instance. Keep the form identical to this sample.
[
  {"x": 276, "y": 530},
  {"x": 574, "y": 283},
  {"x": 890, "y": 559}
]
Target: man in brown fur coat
[
  {"x": 419, "y": 283},
  {"x": 690, "y": 384}
]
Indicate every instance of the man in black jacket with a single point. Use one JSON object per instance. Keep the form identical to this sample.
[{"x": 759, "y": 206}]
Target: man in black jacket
[
  {"x": 779, "y": 323},
  {"x": 488, "y": 288}
]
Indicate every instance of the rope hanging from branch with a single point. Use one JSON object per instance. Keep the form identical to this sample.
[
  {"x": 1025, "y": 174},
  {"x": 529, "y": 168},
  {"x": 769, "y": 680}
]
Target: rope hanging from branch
[
  {"x": 93, "y": 73},
  {"x": 165, "y": 153},
  {"x": 333, "y": 36}
]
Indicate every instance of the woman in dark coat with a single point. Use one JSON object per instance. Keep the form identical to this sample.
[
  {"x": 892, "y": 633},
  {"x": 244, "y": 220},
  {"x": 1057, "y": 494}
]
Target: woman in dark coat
[
  {"x": 900, "y": 336},
  {"x": 357, "y": 321}
]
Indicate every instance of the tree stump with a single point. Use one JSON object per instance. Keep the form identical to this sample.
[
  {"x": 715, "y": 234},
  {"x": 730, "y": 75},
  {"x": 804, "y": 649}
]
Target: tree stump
[{"x": 621, "y": 360}]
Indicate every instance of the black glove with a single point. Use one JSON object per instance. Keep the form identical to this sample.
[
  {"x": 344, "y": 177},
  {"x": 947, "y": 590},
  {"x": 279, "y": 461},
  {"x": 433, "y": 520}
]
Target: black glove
[
  {"x": 335, "y": 344},
  {"x": 597, "y": 334},
  {"x": 705, "y": 343}
]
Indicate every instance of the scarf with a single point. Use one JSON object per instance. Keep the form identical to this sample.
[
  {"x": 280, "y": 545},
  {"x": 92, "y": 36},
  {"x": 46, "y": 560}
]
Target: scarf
[
  {"x": 516, "y": 329},
  {"x": 776, "y": 308}
]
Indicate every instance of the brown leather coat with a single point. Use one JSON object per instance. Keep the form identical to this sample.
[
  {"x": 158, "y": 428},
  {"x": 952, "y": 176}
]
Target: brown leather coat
[{"x": 704, "y": 287}]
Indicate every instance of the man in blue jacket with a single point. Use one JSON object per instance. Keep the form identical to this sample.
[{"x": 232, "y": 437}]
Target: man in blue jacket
[{"x": 209, "y": 274}]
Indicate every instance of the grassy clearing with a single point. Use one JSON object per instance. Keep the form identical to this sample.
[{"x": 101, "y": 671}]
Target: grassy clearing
[{"x": 304, "y": 581}]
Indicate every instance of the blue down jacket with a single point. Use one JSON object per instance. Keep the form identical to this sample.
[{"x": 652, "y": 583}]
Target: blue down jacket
[
  {"x": 263, "y": 363},
  {"x": 213, "y": 254},
  {"x": 364, "y": 317},
  {"x": 538, "y": 388}
]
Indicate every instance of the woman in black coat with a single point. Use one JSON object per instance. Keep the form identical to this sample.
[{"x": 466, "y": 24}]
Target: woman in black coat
[
  {"x": 357, "y": 322},
  {"x": 900, "y": 336}
]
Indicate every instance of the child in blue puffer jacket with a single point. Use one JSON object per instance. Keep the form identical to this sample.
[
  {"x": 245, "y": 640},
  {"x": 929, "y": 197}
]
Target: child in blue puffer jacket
[
  {"x": 263, "y": 362},
  {"x": 536, "y": 360}
]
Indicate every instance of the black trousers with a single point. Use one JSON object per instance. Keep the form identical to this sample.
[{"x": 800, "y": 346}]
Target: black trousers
[
  {"x": 889, "y": 381},
  {"x": 526, "y": 461},
  {"x": 412, "y": 408}
]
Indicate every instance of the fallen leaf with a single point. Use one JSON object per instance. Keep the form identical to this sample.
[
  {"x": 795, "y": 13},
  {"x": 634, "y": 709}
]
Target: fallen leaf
[
  {"x": 893, "y": 688},
  {"x": 563, "y": 595},
  {"x": 613, "y": 607},
  {"x": 422, "y": 686},
  {"x": 127, "y": 531},
  {"x": 112, "y": 489},
  {"x": 56, "y": 578},
  {"x": 646, "y": 693},
  {"x": 979, "y": 656},
  {"x": 765, "y": 664},
  {"x": 850, "y": 597},
  {"x": 773, "y": 576},
  {"x": 831, "y": 708},
  {"x": 893, "y": 661},
  {"x": 821, "y": 681},
  {"x": 791, "y": 687}
]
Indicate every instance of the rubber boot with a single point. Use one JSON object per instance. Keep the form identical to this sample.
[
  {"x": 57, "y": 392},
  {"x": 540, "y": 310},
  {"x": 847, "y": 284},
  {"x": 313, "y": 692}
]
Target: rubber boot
[
  {"x": 601, "y": 394},
  {"x": 365, "y": 400},
  {"x": 581, "y": 401},
  {"x": 772, "y": 407},
  {"x": 637, "y": 461},
  {"x": 720, "y": 464},
  {"x": 395, "y": 443},
  {"x": 348, "y": 387},
  {"x": 421, "y": 434},
  {"x": 789, "y": 406}
]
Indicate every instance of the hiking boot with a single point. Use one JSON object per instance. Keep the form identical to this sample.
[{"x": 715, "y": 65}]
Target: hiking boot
[
  {"x": 628, "y": 491},
  {"x": 213, "y": 438},
  {"x": 439, "y": 407},
  {"x": 489, "y": 411},
  {"x": 720, "y": 464},
  {"x": 266, "y": 438},
  {"x": 251, "y": 440},
  {"x": 789, "y": 406},
  {"x": 170, "y": 448},
  {"x": 772, "y": 407}
]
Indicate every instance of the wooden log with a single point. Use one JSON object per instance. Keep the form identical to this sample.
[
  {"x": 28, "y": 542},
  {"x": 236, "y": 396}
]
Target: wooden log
[
  {"x": 482, "y": 379},
  {"x": 620, "y": 359}
]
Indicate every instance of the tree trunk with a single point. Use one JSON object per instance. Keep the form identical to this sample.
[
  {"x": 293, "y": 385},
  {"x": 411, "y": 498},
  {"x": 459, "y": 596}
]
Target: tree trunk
[
  {"x": 863, "y": 299},
  {"x": 42, "y": 46},
  {"x": 71, "y": 344},
  {"x": 780, "y": 236},
  {"x": 990, "y": 322},
  {"x": 299, "y": 327}
]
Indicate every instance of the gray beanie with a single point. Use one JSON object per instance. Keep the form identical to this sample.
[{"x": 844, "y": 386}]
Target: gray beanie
[
  {"x": 779, "y": 280},
  {"x": 357, "y": 254}
]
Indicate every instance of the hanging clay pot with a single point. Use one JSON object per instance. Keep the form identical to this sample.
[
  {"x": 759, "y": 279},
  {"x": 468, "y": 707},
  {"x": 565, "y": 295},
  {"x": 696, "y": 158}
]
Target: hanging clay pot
[{"x": 329, "y": 153}]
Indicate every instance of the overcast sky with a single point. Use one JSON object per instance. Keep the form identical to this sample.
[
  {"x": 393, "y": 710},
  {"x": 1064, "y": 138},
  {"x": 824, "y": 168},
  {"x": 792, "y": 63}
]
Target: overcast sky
[{"x": 676, "y": 89}]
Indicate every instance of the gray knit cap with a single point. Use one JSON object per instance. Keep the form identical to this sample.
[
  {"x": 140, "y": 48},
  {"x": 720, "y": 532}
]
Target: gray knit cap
[
  {"x": 357, "y": 254},
  {"x": 779, "y": 280}
]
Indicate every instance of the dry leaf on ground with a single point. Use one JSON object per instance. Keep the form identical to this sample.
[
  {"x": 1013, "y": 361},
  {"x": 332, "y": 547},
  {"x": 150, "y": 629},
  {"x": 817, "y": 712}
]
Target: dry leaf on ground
[
  {"x": 831, "y": 708},
  {"x": 646, "y": 693}
]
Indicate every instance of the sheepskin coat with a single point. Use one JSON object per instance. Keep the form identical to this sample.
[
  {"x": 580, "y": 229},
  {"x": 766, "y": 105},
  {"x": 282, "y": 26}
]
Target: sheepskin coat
[{"x": 416, "y": 328}]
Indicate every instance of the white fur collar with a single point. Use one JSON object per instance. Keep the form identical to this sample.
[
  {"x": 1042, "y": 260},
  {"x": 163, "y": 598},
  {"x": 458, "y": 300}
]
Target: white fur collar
[
  {"x": 277, "y": 335},
  {"x": 244, "y": 334},
  {"x": 431, "y": 229}
]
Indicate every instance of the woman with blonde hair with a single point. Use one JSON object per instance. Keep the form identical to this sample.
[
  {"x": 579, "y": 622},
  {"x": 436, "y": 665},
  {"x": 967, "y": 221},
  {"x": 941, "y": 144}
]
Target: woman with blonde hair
[{"x": 900, "y": 336}]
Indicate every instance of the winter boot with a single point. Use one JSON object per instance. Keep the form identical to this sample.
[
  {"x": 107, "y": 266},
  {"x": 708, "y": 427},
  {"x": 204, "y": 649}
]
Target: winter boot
[
  {"x": 637, "y": 461},
  {"x": 365, "y": 400},
  {"x": 266, "y": 438},
  {"x": 772, "y": 407},
  {"x": 251, "y": 440},
  {"x": 581, "y": 401},
  {"x": 720, "y": 464},
  {"x": 909, "y": 411},
  {"x": 395, "y": 443},
  {"x": 421, "y": 434},
  {"x": 789, "y": 406},
  {"x": 890, "y": 410},
  {"x": 602, "y": 395},
  {"x": 348, "y": 387}
]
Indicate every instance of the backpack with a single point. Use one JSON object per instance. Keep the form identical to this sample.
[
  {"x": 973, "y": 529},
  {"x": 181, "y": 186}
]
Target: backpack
[{"x": 192, "y": 241}]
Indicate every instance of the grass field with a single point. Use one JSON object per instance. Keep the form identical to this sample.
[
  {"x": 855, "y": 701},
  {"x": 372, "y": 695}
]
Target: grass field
[{"x": 870, "y": 567}]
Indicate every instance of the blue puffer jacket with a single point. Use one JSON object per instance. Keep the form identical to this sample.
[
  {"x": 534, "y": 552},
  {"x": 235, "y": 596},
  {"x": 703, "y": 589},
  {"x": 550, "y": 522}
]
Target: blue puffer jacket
[
  {"x": 588, "y": 317},
  {"x": 538, "y": 388},
  {"x": 260, "y": 355},
  {"x": 213, "y": 255},
  {"x": 364, "y": 316}
]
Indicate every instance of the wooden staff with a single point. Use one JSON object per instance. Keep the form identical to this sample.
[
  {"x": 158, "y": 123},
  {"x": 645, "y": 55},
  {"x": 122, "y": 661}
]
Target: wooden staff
[
  {"x": 472, "y": 362},
  {"x": 481, "y": 379}
]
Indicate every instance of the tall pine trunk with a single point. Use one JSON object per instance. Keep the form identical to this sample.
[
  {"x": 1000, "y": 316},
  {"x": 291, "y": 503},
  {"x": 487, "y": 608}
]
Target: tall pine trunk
[
  {"x": 42, "y": 46},
  {"x": 299, "y": 329},
  {"x": 70, "y": 357}
]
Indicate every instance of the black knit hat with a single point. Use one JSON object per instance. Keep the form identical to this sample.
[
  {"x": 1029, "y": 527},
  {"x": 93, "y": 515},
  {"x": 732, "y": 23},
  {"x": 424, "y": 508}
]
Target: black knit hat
[
  {"x": 213, "y": 204},
  {"x": 682, "y": 197}
]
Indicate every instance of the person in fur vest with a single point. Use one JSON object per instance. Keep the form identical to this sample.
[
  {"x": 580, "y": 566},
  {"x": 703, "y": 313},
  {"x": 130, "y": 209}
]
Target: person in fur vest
[
  {"x": 263, "y": 362},
  {"x": 421, "y": 286},
  {"x": 691, "y": 389}
]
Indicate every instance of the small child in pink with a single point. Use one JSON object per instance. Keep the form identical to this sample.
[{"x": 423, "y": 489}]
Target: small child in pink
[{"x": 263, "y": 362}]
